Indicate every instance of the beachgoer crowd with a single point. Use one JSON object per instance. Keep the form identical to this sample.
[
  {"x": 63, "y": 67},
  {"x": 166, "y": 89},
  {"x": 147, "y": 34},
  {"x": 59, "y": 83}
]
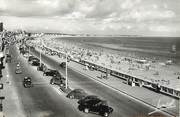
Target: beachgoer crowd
[{"x": 146, "y": 68}]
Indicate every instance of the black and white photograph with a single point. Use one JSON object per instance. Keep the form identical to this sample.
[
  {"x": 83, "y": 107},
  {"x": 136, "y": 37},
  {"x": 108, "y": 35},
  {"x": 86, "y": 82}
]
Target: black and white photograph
[{"x": 89, "y": 58}]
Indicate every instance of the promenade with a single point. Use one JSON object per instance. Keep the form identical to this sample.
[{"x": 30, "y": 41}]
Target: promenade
[
  {"x": 162, "y": 72},
  {"x": 138, "y": 93}
]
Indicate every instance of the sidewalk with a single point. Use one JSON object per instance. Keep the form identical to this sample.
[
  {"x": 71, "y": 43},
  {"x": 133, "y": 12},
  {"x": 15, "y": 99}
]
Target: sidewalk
[
  {"x": 142, "y": 94},
  {"x": 12, "y": 107}
]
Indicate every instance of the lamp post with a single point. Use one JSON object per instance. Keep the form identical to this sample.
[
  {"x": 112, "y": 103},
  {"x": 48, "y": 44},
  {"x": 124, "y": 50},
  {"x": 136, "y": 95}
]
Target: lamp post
[
  {"x": 29, "y": 52},
  {"x": 40, "y": 51},
  {"x": 66, "y": 73}
]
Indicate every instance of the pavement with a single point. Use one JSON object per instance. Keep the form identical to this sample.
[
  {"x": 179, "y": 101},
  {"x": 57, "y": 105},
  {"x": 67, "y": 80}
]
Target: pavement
[
  {"x": 142, "y": 94},
  {"x": 12, "y": 106}
]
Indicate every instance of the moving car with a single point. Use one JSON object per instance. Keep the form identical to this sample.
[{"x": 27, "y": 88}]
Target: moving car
[
  {"x": 18, "y": 65},
  {"x": 8, "y": 58},
  {"x": 77, "y": 94},
  {"x": 50, "y": 72},
  {"x": 27, "y": 82},
  {"x": 96, "y": 106},
  {"x": 18, "y": 71}
]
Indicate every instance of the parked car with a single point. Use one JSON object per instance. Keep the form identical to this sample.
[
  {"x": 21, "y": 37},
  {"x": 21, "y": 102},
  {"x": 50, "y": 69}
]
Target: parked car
[
  {"x": 27, "y": 82},
  {"x": 35, "y": 62},
  {"x": 50, "y": 72},
  {"x": 63, "y": 65},
  {"x": 1, "y": 74},
  {"x": 77, "y": 94},
  {"x": 87, "y": 98},
  {"x": 41, "y": 67},
  {"x": 30, "y": 58},
  {"x": 58, "y": 81},
  {"x": 52, "y": 53},
  {"x": 96, "y": 106}
]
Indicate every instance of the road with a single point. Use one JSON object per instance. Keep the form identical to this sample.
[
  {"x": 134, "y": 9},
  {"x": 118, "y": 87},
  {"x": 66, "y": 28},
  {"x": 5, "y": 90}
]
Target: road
[{"x": 42, "y": 100}]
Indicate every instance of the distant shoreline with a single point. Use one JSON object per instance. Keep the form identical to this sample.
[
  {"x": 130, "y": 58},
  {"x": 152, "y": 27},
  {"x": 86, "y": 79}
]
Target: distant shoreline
[{"x": 116, "y": 47}]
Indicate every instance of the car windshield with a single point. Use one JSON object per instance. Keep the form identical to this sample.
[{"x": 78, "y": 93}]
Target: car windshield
[{"x": 93, "y": 102}]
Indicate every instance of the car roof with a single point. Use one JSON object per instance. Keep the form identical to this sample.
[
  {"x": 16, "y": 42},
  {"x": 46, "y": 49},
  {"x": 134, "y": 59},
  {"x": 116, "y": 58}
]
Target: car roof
[
  {"x": 91, "y": 97},
  {"x": 78, "y": 90},
  {"x": 94, "y": 101}
]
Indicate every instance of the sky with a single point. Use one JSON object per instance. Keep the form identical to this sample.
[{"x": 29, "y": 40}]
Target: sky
[{"x": 109, "y": 17}]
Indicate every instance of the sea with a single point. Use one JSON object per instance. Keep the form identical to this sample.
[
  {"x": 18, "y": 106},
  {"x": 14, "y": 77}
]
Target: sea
[{"x": 163, "y": 48}]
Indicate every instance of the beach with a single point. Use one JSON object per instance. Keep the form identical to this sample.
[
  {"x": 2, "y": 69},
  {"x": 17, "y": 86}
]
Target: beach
[{"x": 157, "y": 65}]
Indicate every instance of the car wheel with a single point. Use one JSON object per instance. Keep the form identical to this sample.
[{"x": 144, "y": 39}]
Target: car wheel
[
  {"x": 86, "y": 110},
  {"x": 106, "y": 114},
  {"x": 80, "y": 107}
]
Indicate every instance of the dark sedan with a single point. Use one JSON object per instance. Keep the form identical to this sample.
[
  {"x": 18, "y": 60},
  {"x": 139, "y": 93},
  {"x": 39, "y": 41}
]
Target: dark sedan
[
  {"x": 42, "y": 67},
  {"x": 57, "y": 81},
  {"x": 63, "y": 65},
  {"x": 8, "y": 58},
  {"x": 27, "y": 82},
  {"x": 87, "y": 98},
  {"x": 35, "y": 62},
  {"x": 96, "y": 106},
  {"x": 50, "y": 72},
  {"x": 31, "y": 58}
]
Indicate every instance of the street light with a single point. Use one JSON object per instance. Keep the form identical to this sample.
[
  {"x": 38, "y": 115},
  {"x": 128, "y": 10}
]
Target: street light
[
  {"x": 66, "y": 73},
  {"x": 40, "y": 50},
  {"x": 29, "y": 51}
]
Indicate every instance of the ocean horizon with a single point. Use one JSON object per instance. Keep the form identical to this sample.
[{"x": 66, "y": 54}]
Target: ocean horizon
[{"x": 164, "y": 47}]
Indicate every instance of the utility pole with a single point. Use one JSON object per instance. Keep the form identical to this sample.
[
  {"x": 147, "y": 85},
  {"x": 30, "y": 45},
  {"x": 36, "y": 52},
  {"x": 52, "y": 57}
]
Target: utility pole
[
  {"x": 40, "y": 51},
  {"x": 29, "y": 51},
  {"x": 66, "y": 73}
]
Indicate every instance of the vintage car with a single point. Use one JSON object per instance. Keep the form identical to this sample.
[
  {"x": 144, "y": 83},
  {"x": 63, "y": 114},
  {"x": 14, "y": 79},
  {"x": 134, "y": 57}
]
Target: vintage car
[
  {"x": 97, "y": 106},
  {"x": 27, "y": 82}
]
